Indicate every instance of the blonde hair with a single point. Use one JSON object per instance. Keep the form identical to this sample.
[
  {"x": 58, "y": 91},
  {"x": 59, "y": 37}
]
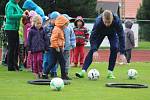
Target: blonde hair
[
  {"x": 107, "y": 14},
  {"x": 36, "y": 18}
]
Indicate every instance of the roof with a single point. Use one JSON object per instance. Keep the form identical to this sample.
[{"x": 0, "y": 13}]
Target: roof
[
  {"x": 131, "y": 7},
  {"x": 113, "y": 6}
]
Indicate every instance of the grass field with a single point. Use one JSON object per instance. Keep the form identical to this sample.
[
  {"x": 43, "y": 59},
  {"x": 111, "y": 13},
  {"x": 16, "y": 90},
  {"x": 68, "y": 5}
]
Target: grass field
[{"x": 13, "y": 85}]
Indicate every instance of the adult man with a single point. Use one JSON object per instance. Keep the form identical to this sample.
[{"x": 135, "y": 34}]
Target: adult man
[{"x": 107, "y": 24}]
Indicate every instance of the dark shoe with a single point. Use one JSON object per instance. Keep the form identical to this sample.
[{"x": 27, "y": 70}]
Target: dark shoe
[
  {"x": 44, "y": 76},
  {"x": 11, "y": 70},
  {"x": 66, "y": 78},
  {"x": 53, "y": 74},
  {"x": 4, "y": 64}
]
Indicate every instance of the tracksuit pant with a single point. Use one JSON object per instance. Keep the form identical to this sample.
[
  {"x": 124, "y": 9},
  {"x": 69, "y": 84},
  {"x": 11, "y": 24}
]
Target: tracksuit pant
[
  {"x": 79, "y": 54},
  {"x": 113, "y": 39},
  {"x": 128, "y": 55},
  {"x": 37, "y": 62}
]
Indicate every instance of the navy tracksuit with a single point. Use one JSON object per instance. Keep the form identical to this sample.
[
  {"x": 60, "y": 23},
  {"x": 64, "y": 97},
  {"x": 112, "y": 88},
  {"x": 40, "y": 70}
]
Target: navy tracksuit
[{"x": 115, "y": 36}]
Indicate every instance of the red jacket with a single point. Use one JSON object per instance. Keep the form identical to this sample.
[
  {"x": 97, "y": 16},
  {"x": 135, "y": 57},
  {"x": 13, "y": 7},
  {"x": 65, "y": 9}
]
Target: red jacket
[{"x": 82, "y": 35}]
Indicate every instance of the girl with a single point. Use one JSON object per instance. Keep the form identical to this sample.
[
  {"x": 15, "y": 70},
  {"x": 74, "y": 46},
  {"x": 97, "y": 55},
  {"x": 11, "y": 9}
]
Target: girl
[{"x": 36, "y": 44}]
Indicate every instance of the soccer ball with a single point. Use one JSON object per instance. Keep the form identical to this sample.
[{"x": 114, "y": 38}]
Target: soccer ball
[
  {"x": 93, "y": 74},
  {"x": 132, "y": 73},
  {"x": 57, "y": 84}
]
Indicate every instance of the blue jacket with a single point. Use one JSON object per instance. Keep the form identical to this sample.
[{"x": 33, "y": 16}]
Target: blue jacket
[
  {"x": 29, "y": 4},
  {"x": 48, "y": 30},
  {"x": 70, "y": 38},
  {"x": 37, "y": 40},
  {"x": 100, "y": 29}
]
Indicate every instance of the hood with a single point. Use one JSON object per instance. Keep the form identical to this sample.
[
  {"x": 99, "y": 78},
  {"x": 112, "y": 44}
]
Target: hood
[
  {"x": 13, "y": 1},
  {"x": 29, "y": 4},
  {"x": 128, "y": 24},
  {"x": 32, "y": 13},
  {"x": 77, "y": 19},
  {"x": 61, "y": 20}
]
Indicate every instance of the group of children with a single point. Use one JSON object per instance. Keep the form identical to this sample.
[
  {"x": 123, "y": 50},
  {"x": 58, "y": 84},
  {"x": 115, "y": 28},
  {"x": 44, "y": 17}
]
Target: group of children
[
  {"x": 55, "y": 39},
  {"x": 44, "y": 45}
]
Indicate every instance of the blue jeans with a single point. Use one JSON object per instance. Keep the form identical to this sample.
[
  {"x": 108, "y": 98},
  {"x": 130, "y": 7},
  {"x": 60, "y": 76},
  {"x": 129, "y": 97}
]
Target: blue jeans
[
  {"x": 66, "y": 54},
  {"x": 46, "y": 62},
  {"x": 56, "y": 57}
]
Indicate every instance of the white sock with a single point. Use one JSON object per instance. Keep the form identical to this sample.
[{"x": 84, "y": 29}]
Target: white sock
[
  {"x": 110, "y": 72},
  {"x": 83, "y": 71}
]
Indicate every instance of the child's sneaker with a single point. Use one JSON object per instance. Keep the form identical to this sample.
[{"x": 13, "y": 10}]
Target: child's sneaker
[
  {"x": 44, "y": 76},
  {"x": 66, "y": 78},
  {"x": 110, "y": 75},
  {"x": 80, "y": 74}
]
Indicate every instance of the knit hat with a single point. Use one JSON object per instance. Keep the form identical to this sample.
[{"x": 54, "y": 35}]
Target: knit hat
[
  {"x": 67, "y": 16},
  {"x": 53, "y": 15},
  {"x": 79, "y": 18}
]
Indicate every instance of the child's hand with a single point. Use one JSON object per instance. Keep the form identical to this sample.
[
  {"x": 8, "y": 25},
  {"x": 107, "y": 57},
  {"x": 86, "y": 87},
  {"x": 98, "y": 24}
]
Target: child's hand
[
  {"x": 85, "y": 43},
  {"x": 58, "y": 49}
]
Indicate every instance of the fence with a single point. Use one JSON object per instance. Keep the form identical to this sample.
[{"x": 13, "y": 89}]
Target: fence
[{"x": 89, "y": 24}]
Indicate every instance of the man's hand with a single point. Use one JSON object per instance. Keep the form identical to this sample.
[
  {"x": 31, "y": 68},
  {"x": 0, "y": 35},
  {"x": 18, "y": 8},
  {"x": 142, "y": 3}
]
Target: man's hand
[
  {"x": 122, "y": 59},
  {"x": 95, "y": 56}
]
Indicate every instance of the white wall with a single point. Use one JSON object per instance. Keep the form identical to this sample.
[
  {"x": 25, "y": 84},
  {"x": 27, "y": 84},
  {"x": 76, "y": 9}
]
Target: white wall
[{"x": 105, "y": 42}]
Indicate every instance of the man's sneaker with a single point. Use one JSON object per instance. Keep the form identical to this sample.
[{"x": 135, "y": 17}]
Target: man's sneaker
[
  {"x": 80, "y": 74},
  {"x": 110, "y": 76}
]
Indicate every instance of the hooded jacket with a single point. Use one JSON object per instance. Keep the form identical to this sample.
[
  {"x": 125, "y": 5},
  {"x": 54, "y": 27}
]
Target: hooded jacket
[
  {"x": 37, "y": 40},
  {"x": 29, "y": 4},
  {"x": 13, "y": 15},
  {"x": 81, "y": 33},
  {"x": 57, "y": 38}
]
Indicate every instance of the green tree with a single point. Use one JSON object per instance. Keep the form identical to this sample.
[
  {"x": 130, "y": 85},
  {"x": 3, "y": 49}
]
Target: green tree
[
  {"x": 74, "y": 8},
  {"x": 144, "y": 14}
]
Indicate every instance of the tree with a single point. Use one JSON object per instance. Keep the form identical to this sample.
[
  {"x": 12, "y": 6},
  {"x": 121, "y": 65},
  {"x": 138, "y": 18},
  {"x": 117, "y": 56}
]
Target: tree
[
  {"x": 74, "y": 8},
  {"x": 144, "y": 14}
]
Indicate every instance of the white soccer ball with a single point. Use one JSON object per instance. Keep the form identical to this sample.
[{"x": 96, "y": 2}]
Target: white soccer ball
[
  {"x": 57, "y": 84},
  {"x": 132, "y": 73},
  {"x": 93, "y": 74}
]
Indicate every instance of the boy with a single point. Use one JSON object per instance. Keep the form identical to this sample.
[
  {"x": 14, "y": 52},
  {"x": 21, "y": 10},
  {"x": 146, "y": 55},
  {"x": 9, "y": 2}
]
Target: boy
[{"x": 129, "y": 40}]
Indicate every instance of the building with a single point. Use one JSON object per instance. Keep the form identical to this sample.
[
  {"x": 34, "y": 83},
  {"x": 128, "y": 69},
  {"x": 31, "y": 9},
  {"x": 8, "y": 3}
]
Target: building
[{"x": 126, "y": 9}]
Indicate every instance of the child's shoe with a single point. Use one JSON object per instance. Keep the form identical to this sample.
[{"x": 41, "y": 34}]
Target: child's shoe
[{"x": 44, "y": 76}]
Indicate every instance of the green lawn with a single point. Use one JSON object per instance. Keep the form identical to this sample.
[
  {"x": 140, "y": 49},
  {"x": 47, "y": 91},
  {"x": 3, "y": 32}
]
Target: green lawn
[
  {"x": 143, "y": 45},
  {"x": 13, "y": 85}
]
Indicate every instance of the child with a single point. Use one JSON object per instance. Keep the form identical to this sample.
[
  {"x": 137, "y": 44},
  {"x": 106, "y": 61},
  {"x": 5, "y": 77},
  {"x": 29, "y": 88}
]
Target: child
[
  {"x": 4, "y": 45},
  {"x": 82, "y": 37},
  {"x": 28, "y": 25},
  {"x": 48, "y": 29},
  {"x": 70, "y": 43},
  {"x": 36, "y": 44},
  {"x": 21, "y": 46},
  {"x": 129, "y": 40},
  {"x": 57, "y": 44}
]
